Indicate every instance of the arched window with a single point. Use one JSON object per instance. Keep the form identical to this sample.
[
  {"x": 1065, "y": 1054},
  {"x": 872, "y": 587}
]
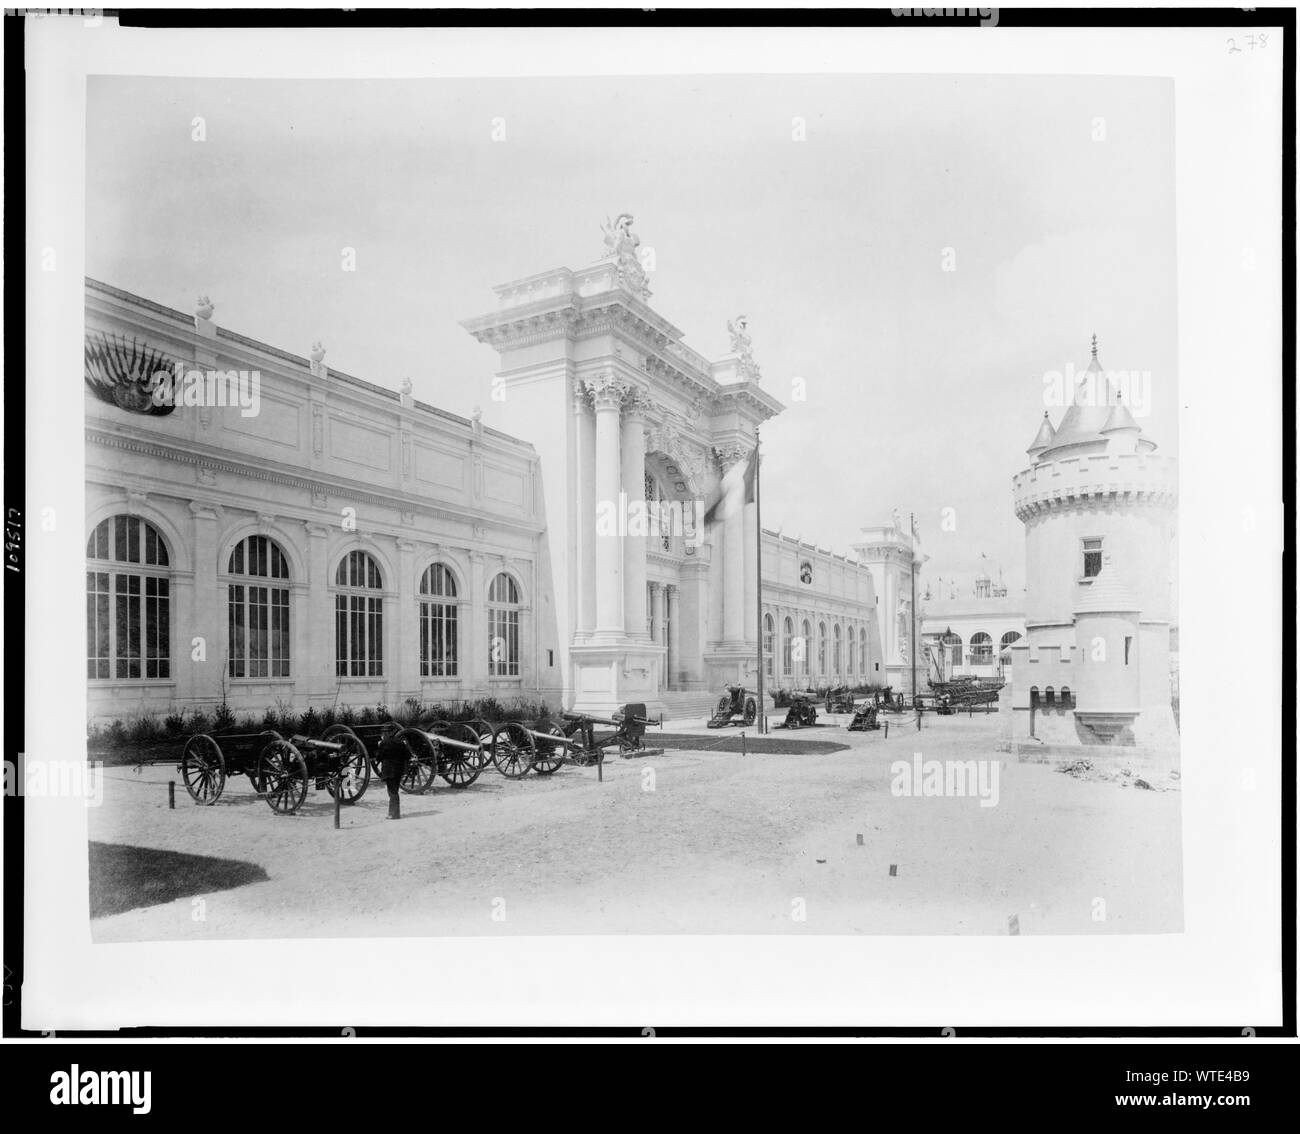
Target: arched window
[
  {"x": 503, "y": 627},
  {"x": 1049, "y": 696},
  {"x": 439, "y": 625},
  {"x": 981, "y": 649},
  {"x": 257, "y": 609},
  {"x": 852, "y": 647},
  {"x": 769, "y": 632},
  {"x": 837, "y": 652},
  {"x": 358, "y": 617},
  {"x": 1065, "y": 696},
  {"x": 787, "y": 648},
  {"x": 805, "y": 649},
  {"x": 821, "y": 647},
  {"x": 128, "y": 602}
]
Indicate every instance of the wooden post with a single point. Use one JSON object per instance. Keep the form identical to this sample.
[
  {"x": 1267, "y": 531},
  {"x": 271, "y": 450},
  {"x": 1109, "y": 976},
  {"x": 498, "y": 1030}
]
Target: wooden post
[
  {"x": 338, "y": 801},
  {"x": 171, "y": 794},
  {"x": 600, "y": 765},
  {"x": 886, "y": 730}
]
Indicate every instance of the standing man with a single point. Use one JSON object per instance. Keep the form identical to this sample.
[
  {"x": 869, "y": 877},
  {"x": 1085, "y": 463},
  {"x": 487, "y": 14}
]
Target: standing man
[{"x": 393, "y": 756}]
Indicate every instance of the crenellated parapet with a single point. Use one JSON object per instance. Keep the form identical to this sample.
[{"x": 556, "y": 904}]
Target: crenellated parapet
[{"x": 1096, "y": 479}]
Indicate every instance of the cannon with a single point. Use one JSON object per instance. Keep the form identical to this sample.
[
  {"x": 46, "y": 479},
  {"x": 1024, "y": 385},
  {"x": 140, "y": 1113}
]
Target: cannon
[
  {"x": 839, "y": 700},
  {"x": 279, "y": 770},
  {"x": 584, "y": 747},
  {"x": 866, "y": 718},
  {"x": 802, "y": 711},
  {"x": 735, "y": 702}
]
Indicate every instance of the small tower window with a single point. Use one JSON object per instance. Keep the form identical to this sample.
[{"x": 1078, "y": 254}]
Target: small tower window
[{"x": 1091, "y": 558}]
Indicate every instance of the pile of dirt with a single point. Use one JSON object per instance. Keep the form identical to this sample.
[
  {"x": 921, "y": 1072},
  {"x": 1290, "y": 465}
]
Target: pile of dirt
[{"x": 1145, "y": 775}]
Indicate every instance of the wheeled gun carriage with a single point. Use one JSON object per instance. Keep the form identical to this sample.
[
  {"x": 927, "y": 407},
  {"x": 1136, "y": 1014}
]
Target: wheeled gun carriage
[
  {"x": 802, "y": 711},
  {"x": 584, "y": 747},
  {"x": 735, "y": 702},
  {"x": 458, "y": 751},
  {"x": 866, "y": 719},
  {"x": 280, "y": 770},
  {"x": 839, "y": 700}
]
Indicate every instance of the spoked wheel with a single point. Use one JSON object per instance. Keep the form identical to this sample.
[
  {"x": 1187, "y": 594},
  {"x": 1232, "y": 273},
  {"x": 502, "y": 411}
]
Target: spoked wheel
[
  {"x": 460, "y": 767},
  {"x": 422, "y": 752},
  {"x": 354, "y": 770},
  {"x": 203, "y": 769},
  {"x": 283, "y": 775},
  {"x": 547, "y": 755},
  {"x": 751, "y": 711},
  {"x": 512, "y": 750}
]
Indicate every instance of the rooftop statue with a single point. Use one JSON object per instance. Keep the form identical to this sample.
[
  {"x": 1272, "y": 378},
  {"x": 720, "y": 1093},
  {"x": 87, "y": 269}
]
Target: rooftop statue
[
  {"x": 742, "y": 345},
  {"x": 623, "y": 245}
]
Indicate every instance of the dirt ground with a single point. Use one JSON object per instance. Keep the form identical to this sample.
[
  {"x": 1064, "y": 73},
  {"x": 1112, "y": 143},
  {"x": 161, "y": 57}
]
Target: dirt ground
[{"x": 685, "y": 842}]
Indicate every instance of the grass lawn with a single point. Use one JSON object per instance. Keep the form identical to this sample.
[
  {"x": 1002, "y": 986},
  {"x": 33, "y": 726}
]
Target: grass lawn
[{"x": 127, "y": 878}]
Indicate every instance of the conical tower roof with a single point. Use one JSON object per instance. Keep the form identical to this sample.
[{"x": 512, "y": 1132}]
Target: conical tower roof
[
  {"x": 1120, "y": 419},
  {"x": 1043, "y": 438},
  {"x": 1090, "y": 405}
]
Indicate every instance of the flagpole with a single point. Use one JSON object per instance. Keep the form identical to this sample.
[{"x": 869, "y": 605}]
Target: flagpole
[
  {"x": 912, "y": 539},
  {"x": 758, "y": 527}
]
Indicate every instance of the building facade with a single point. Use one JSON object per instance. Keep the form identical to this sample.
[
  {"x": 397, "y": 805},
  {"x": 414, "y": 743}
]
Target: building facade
[
  {"x": 608, "y": 391},
  {"x": 1099, "y": 509},
  {"x": 971, "y": 635},
  {"x": 340, "y": 543},
  {"x": 332, "y": 543}
]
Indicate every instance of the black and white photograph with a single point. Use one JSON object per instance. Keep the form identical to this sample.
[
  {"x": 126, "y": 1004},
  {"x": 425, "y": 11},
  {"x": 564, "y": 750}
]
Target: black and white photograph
[{"x": 657, "y": 506}]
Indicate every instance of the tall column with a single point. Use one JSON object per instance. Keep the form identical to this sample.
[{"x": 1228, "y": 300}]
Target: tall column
[
  {"x": 473, "y": 635},
  {"x": 657, "y": 607},
  {"x": 607, "y": 396},
  {"x": 733, "y": 568},
  {"x": 405, "y": 626},
  {"x": 750, "y": 521},
  {"x": 634, "y": 546},
  {"x": 315, "y": 664},
  {"x": 199, "y": 612},
  {"x": 674, "y": 636},
  {"x": 584, "y": 551}
]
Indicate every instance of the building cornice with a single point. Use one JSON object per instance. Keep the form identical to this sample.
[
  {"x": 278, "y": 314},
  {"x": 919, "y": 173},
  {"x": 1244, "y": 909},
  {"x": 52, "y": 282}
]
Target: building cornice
[{"x": 199, "y": 458}]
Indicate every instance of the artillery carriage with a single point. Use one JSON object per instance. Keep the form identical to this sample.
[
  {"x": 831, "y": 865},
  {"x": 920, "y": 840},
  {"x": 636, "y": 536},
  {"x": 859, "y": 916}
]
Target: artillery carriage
[
  {"x": 279, "y": 770},
  {"x": 735, "y": 702}
]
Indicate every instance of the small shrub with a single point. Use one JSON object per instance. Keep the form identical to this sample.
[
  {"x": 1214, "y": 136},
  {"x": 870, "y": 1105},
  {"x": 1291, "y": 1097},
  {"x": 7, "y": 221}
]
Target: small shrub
[
  {"x": 347, "y": 715},
  {"x": 310, "y": 723},
  {"x": 270, "y": 720},
  {"x": 174, "y": 723},
  {"x": 328, "y": 717},
  {"x": 223, "y": 720},
  {"x": 198, "y": 722},
  {"x": 115, "y": 733},
  {"x": 368, "y": 716}
]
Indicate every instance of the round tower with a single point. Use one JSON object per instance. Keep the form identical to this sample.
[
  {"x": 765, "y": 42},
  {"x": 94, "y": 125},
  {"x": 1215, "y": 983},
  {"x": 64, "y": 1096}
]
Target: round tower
[
  {"x": 1096, "y": 488},
  {"x": 1107, "y": 696}
]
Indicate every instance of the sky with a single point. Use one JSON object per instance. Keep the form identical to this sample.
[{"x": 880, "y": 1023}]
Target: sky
[{"x": 1052, "y": 198}]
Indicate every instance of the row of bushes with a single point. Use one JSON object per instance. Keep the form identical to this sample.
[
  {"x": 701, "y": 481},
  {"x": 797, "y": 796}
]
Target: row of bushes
[{"x": 150, "y": 729}]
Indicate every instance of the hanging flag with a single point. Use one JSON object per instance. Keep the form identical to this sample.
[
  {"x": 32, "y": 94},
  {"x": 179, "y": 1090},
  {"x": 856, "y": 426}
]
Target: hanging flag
[{"x": 736, "y": 491}]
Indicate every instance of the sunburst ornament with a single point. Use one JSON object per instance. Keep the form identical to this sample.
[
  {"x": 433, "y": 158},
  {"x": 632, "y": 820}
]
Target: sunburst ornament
[{"x": 125, "y": 373}]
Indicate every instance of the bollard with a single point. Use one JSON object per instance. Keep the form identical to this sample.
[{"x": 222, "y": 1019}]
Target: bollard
[
  {"x": 338, "y": 802},
  {"x": 744, "y": 751},
  {"x": 886, "y": 730},
  {"x": 918, "y": 720},
  {"x": 600, "y": 765},
  {"x": 171, "y": 794}
]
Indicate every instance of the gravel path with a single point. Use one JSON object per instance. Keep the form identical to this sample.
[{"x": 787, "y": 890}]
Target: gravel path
[{"x": 722, "y": 844}]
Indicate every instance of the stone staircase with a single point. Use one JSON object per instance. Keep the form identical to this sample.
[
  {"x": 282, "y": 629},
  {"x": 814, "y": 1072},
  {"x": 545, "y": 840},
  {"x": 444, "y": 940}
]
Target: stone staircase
[{"x": 689, "y": 705}]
